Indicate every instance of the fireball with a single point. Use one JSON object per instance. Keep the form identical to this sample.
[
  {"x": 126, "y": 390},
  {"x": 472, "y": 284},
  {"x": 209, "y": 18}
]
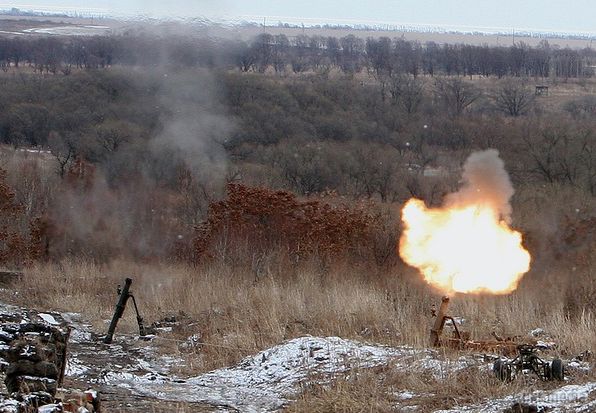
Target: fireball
[
  {"x": 463, "y": 248},
  {"x": 467, "y": 245}
]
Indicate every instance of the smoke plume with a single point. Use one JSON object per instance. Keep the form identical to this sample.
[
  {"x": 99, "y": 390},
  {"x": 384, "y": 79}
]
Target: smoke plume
[
  {"x": 485, "y": 182},
  {"x": 144, "y": 198},
  {"x": 194, "y": 126}
]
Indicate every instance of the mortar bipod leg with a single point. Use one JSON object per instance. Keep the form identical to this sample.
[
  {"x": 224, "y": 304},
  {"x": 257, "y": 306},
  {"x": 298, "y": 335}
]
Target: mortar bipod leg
[{"x": 139, "y": 318}]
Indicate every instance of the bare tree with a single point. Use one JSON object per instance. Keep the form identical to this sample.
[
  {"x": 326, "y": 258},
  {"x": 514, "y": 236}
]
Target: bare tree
[
  {"x": 64, "y": 150},
  {"x": 379, "y": 62},
  {"x": 583, "y": 107},
  {"x": 587, "y": 161},
  {"x": 352, "y": 50},
  {"x": 305, "y": 166},
  {"x": 379, "y": 57},
  {"x": 407, "y": 92},
  {"x": 560, "y": 155},
  {"x": 280, "y": 50},
  {"x": 376, "y": 170},
  {"x": 111, "y": 135},
  {"x": 455, "y": 94},
  {"x": 263, "y": 51},
  {"x": 514, "y": 97}
]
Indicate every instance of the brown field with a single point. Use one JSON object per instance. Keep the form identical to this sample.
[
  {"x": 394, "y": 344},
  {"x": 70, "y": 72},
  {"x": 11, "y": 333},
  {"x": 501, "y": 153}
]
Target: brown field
[
  {"x": 20, "y": 23},
  {"x": 239, "y": 312},
  {"x": 249, "y": 311},
  {"x": 422, "y": 37},
  {"x": 41, "y": 21}
]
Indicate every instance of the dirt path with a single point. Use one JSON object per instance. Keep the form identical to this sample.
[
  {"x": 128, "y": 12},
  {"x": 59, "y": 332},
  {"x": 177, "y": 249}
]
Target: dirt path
[{"x": 93, "y": 364}]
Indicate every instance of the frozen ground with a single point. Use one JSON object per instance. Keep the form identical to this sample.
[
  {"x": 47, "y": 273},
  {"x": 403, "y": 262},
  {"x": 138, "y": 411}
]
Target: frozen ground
[
  {"x": 267, "y": 380},
  {"x": 71, "y": 30},
  {"x": 133, "y": 372},
  {"x": 271, "y": 378},
  {"x": 570, "y": 398}
]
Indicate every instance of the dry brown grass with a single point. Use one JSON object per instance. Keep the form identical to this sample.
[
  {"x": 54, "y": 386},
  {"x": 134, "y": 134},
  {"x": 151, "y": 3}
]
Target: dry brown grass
[
  {"x": 383, "y": 390},
  {"x": 240, "y": 310}
]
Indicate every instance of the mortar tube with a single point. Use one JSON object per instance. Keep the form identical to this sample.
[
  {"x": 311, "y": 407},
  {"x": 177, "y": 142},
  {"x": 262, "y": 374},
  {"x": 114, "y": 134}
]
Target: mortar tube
[{"x": 437, "y": 330}]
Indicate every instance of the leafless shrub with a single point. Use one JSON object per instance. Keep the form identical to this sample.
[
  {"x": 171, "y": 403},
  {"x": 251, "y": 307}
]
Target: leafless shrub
[{"x": 514, "y": 97}]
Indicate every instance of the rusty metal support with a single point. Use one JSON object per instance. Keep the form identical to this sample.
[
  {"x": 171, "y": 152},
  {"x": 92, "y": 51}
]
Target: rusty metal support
[
  {"x": 437, "y": 330},
  {"x": 461, "y": 339},
  {"x": 458, "y": 335}
]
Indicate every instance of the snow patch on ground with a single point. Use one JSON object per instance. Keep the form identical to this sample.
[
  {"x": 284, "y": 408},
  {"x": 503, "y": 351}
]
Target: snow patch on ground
[
  {"x": 269, "y": 379},
  {"x": 570, "y": 398},
  {"x": 80, "y": 336},
  {"x": 75, "y": 368},
  {"x": 70, "y": 30},
  {"x": 48, "y": 318},
  {"x": 9, "y": 406}
]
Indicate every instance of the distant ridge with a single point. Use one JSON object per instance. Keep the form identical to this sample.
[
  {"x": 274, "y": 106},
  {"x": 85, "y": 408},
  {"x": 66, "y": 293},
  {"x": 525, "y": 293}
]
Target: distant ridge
[
  {"x": 46, "y": 13},
  {"x": 289, "y": 22},
  {"x": 315, "y": 23},
  {"x": 30, "y": 13}
]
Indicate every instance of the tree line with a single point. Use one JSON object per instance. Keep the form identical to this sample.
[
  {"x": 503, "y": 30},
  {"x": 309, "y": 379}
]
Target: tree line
[
  {"x": 382, "y": 56},
  {"x": 119, "y": 140}
]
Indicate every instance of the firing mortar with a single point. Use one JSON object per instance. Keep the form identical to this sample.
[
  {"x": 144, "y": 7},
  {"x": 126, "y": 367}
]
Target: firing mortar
[
  {"x": 461, "y": 339},
  {"x": 504, "y": 369},
  {"x": 437, "y": 330}
]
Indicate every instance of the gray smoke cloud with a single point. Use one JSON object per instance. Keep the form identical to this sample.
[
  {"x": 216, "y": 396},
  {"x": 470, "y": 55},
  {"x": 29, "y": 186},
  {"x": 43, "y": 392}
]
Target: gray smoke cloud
[
  {"x": 194, "y": 127},
  {"x": 485, "y": 181},
  {"x": 133, "y": 216}
]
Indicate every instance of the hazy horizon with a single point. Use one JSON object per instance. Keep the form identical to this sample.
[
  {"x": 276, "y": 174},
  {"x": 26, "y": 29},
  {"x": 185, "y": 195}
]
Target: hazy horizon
[{"x": 506, "y": 15}]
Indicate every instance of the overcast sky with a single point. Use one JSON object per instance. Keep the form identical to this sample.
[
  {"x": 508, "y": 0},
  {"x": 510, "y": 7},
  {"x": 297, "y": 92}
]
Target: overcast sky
[{"x": 559, "y": 15}]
